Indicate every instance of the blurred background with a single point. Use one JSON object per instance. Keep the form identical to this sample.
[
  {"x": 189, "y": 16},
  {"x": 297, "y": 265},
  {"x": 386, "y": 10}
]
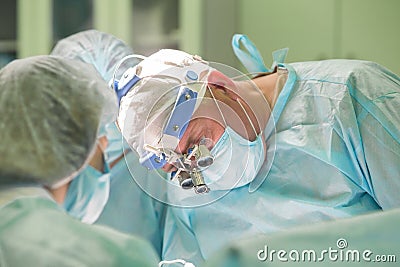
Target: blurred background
[{"x": 312, "y": 29}]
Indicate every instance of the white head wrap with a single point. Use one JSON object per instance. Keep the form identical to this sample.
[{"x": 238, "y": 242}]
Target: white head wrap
[{"x": 146, "y": 108}]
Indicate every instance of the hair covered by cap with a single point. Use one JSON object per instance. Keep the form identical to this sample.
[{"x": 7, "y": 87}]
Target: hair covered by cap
[
  {"x": 147, "y": 106},
  {"x": 100, "y": 49},
  {"x": 51, "y": 109}
]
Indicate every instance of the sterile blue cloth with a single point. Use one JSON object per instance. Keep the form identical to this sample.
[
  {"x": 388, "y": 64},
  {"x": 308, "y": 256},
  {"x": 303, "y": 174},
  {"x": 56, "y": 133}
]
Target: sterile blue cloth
[{"x": 334, "y": 151}]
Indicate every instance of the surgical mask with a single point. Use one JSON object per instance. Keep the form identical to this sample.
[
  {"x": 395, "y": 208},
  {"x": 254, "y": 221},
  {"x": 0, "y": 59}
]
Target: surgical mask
[
  {"x": 88, "y": 194},
  {"x": 233, "y": 162},
  {"x": 236, "y": 161},
  {"x": 70, "y": 177},
  {"x": 116, "y": 143}
]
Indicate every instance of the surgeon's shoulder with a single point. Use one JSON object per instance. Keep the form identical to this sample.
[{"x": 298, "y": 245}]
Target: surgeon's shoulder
[{"x": 337, "y": 70}]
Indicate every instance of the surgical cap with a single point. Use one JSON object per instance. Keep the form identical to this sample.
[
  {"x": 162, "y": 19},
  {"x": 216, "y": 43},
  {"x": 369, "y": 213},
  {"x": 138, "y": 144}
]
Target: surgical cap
[
  {"x": 147, "y": 106},
  {"x": 51, "y": 109},
  {"x": 102, "y": 50}
]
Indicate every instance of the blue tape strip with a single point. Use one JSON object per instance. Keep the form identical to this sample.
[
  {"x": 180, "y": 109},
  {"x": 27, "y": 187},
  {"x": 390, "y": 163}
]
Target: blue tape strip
[
  {"x": 176, "y": 126},
  {"x": 182, "y": 113},
  {"x": 125, "y": 89}
]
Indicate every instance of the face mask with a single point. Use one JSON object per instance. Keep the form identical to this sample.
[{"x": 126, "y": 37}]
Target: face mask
[
  {"x": 236, "y": 161},
  {"x": 116, "y": 144},
  {"x": 88, "y": 194}
]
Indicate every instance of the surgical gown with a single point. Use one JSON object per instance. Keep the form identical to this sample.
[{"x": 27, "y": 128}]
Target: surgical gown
[
  {"x": 334, "y": 152},
  {"x": 129, "y": 209},
  {"x": 35, "y": 231}
]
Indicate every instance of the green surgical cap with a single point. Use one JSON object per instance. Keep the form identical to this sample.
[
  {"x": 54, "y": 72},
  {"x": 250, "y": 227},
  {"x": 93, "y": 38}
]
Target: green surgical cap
[{"x": 49, "y": 121}]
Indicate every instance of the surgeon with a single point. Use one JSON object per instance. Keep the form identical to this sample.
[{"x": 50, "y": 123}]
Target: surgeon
[
  {"x": 105, "y": 192},
  {"x": 52, "y": 109},
  {"x": 284, "y": 146}
]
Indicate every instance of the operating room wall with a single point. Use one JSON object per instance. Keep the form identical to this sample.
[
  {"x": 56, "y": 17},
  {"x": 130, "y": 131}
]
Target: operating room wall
[
  {"x": 311, "y": 29},
  {"x": 323, "y": 29}
]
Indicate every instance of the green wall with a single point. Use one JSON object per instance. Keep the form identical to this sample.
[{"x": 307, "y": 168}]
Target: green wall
[
  {"x": 322, "y": 29},
  {"x": 312, "y": 29}
]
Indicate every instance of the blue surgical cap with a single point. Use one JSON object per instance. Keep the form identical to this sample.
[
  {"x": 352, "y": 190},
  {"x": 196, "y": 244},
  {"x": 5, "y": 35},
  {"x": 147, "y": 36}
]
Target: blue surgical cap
[{"x": 102, "y": 50}]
